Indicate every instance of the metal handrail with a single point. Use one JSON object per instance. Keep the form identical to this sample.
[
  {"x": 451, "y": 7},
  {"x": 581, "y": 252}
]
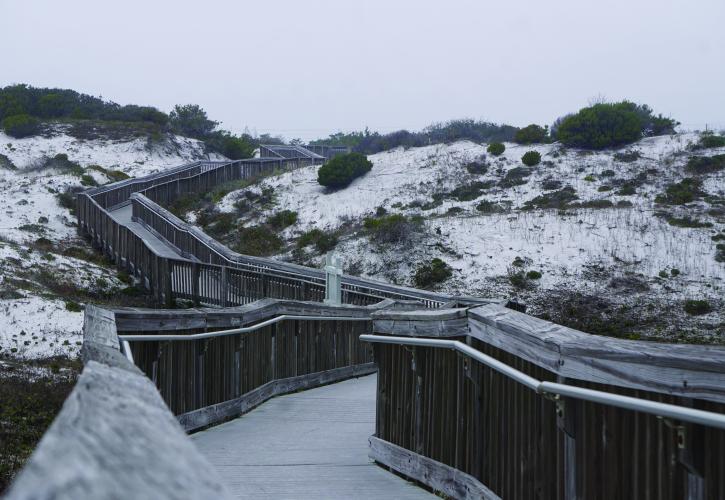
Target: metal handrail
[
  {"x": 246, "y": 329},
  {"x": 557, "y": 390}
]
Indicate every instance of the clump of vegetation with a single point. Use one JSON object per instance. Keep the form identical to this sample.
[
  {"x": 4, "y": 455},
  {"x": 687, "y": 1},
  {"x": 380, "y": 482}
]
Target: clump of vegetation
[
  {"x": 601, "y": 203},
  {"x": 258, "y": 241},
  {"x": 73, "y": 306},
  {"x": 324, "y": 241},
  {"x": 701, "y": 165},
  {"x": 606, "y": 125},
  {"x": 697, "y": 307},
  {"x": 627, "y": 189},
  {"x": 628, "y": 156},
  {"x": 488, "y": 207},
  {"x": 395, "y": 228},
  {"x": 21, "y": 125},
  {"x": 282, "y": 219},
  {"x": 533, "y": 275},
  {"x": 515, "y": 177},
  {"x": 469, "y": 192},
  {"x": 113, "y": 175},
  {"x": 88, "y": 180},
  {"x": 551, "y": 184},
  {"x": 6, "y": 163},
  {"x": 557, "y": 199},
  {"x": 29, "y": 405},
  {"x": 340, "y": 171},
  {"x": 477, "y": 167},
  {"x": 710, "y": 140},
  {"x": 687, "y": 221},
  {"x": 430, "y": 274},
  {"x": 681, "y": 193},
  {"x": 496, "y": 148},
  {"x": 531, "y": 158},
  {"x": 720, "y": 252},
  {"x": 531, "y": 134}
]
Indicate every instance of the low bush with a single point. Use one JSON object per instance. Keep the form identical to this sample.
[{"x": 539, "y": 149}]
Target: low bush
[
  {"x": 395, "y": 228},
  {"x": 340, "y": 171},
  {"x": 282, "y": 219},
  {"x": 531, "y": 134},
  {"x": 697, "y": 307},
  {"x": 19, "y": 126},
  {"x": 496, "y": 148},
  {"x": 88, "y": 180},
  {"x": 627, "y": 156},
  {"x": 430, "y": 274},
  {"x": 324, "y": 241},
  {"x": 687, "y": 221},
  {"x": 531, "y": 158},
  {"x": 6, "y": 163},
  {"x": 515, "y": 177},
  {"x": 627, "y": 190},
  {"x": 477, "y": 167},
  {"x": 73, "y": 306},
  {"x": 488, "y": 207},
  {"x": 680, "y": 193},
  {"x": 469, "y": 192},
  {"x": 533, "y": 275},
  {"x": 556, "y": 199},
  {"x": 258, "y": 241},
  {"x": 711, "y": 140},
  {"x": 705, "y": 164}
]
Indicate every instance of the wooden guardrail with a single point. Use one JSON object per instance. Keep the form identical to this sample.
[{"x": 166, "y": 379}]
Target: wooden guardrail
[
  {"x": 114, "y": 437},
  {"x": 214, "y": 364},
  {"x": 207, "y": 272},
  {"x": 551, "y": 412}
]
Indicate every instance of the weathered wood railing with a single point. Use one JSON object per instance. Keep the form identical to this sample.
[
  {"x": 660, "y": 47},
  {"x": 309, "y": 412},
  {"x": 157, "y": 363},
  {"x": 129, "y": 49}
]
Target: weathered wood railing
[
  {"x": 522, "y": 427},
  {"x": 114, "y": 437},
  {"x": 214, "y": 364},
  {"x": 208, "y": 272}
]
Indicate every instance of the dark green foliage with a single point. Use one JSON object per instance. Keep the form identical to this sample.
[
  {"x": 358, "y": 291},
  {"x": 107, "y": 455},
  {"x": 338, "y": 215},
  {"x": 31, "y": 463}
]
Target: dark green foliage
[
  {"x": 231, "y": 146},
  {"x": 113, "y": 175},
  {"x": 67, "y": 199},
  {"x": 21, "y": 126},
  {"x": 282, "y": 219},
  {"x": 468, "y": 192},
  {"x": 611, "y": 124},
  {"x": 258, "y": 241},
  {"x": 29, "y": 405},
  {"x": 674, "y": 272},
  {"x": 531, "y": 158},
  {"x": 46, "y": 103},
  {"x": 712, "y": 141},
  {"x": 73, "y": 306},
  {"x": 191, "y": 120},
  {"x": 531, "y": 134},
  {"x": 477, "y": 168},
  {"x": 680, "y": 193},
  {"x": 515, "y": 177},
  {"x": 219, "y": 224},
  {"x": 706, "y": 164},
  {"x": 533, "y": 275},
  {"x": 557, "y": 199},
  {"x": 627, "y": 190},
  {"x": 593, "y": 204},
  {"x": 393, "y": 228},
  {"x": 551, "y": 184},
  {"x": 324, "y": 241},
  {"x": 496, "y": 148},
  {"x": 88, "y": 180},
  {"x": 687, "y": 221},
  {"x": 488, "y": 207},
  {"x": 428, "y": 275},
  {"x": 720, "y": 252},
  {"x": 340, "y": 171},
  {"x": 604, "y": 188},
  {"x": 627, "y": 156},
  {"x": 697, "y": 307},
  {"x": 6, "y": 163},
  {"x": 43, "y": 243},
  {"x": 518, "y": 279}
]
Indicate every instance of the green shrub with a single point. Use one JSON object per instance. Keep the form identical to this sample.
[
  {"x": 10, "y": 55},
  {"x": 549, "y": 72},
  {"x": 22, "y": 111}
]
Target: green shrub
[
  {"x": 531, "y": 134},
  {"x": 477, "y": 168},
  {"x": 21, "y": 126},
  {"x": 533, "y": 275},
  {"x": 627, "y": 156},
  {"x": 488, "y": 207},
  {"x": 340, "y": 171},
  {"x": 712, "y": 141},
  {"x": 706, "y": 164},
  {"x": 73, "y": 306},
  {"x": 324, "y": 241},
  {"x": 88, "y": 180},
  {"x": 515, "y": 177},
  {"x": 556, "y": 199},
  {"x": 627, "y": 190},
  {"x": 590, "y": 178},
  {"x": 675, "y": 272},
  {"x": 6, "y": 163},
  {"x": 687, "y": 221},
  {"x": 430, "y": 274},
  {"x": 282, "y": 219},
  {"x": 258, "y": 241},
  {"x": 393, "y": 228},
  {"x": 496, "y": 148},
  {"x": 697, "y": 307},
  {"x": 531, "y": 158},
  {"x": 468, "y": 192},
  {"x": 601, "y": 126},
  {"x": 680, "y": 193}
]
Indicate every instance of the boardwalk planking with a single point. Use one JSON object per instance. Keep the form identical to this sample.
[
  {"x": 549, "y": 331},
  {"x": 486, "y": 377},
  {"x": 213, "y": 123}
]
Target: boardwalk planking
[{"x": 309, "y": 445}]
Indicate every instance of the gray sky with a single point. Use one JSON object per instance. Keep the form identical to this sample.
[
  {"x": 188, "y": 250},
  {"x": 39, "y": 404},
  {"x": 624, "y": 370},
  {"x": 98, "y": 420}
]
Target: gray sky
[{"x": 310, "y": 67}]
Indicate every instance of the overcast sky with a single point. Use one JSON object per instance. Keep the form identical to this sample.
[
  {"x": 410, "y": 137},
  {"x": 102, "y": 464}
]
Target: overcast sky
[{"x": 306, "y": 68}]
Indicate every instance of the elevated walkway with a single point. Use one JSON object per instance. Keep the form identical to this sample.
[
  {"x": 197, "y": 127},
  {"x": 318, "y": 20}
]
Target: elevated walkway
[{"x": 308, "y": 445}]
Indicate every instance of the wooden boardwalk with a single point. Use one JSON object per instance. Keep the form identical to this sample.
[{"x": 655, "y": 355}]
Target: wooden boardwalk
[{"x": 309, "y": 445}]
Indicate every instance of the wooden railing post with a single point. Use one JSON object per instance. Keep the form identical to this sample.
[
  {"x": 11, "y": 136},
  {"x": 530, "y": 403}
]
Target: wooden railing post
[
  {"x": 567, "y": 422},
  {"x": 224, "y": 286},
  {"x": 195, "y": 282}
]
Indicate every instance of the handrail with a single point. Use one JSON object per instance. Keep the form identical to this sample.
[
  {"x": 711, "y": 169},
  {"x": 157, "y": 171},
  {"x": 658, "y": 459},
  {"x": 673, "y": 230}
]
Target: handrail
[
  {"x": 665, "y": 410},
  {"x": 246, "y": 329}
]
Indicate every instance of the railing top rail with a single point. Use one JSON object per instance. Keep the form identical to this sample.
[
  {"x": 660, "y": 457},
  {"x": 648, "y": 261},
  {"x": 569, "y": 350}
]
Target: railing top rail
[{"x": 683, "y": 413}]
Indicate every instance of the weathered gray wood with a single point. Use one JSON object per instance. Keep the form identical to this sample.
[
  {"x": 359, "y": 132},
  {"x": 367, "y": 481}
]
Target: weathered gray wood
[
  {"x": 422, "y": 323},
  {"x": 696, "y": 371},
  {"x": 217, "y": 413},
  {"x": 307, "y": 445},
  {"x": 436, "y": 475}
]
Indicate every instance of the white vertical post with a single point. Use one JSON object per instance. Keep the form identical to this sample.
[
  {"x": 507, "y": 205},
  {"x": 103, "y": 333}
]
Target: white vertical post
[{"x": 333, "y": 279}]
